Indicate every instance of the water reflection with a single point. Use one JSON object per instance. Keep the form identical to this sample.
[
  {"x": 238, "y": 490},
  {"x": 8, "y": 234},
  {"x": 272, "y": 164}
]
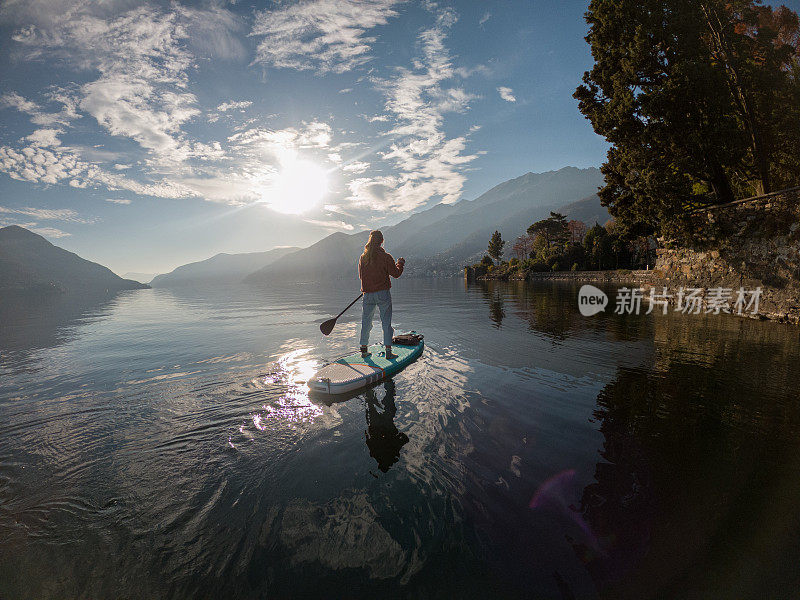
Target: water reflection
[
  {"x": 697, "y": 486},
  {"x": 31, "y": 322},
  {"x": 554, "y": 456},
  {"x": 495, "y": 299},
  {"x": 550, "y": 307},
  {"x": 384, "y": 440}
]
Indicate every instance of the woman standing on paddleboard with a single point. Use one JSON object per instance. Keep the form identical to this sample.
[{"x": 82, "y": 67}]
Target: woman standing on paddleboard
[{"x": 374, "y": 268}]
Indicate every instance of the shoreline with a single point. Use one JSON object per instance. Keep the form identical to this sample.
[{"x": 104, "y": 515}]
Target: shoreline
[{"x": 775, "y": 304}]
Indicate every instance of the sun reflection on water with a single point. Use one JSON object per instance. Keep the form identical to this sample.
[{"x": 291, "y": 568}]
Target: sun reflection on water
[{"x": 292, "y": 405}]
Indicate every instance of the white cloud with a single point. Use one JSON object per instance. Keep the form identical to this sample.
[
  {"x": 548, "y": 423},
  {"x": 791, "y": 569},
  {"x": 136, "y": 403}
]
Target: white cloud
[
  {"x": 143, "y": 58},
  {"x": 324, "y": 35},
  {"x": 357, "y": 166},
  {"x": 38, "y": 115},
  {"x": 140, "y": 62},
  {"x": 225, "y": 106},
  {"x": 429, "y": 165},
  {"x": 45, "y": 137},
  {"x": 486, "y": 16},
  {"x": 331, "y": 224},
  {"x": 62, "y": 165},
  {"x": 506, "y": 93},
  {"x": 118, "y": 200},
  {"x": 50, "y": 232},
  {"x": 66, "y": 215}
]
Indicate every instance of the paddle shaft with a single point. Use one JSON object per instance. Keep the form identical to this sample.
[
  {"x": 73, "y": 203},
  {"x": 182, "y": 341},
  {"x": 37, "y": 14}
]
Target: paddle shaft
[{"x": 349, "y": 305}]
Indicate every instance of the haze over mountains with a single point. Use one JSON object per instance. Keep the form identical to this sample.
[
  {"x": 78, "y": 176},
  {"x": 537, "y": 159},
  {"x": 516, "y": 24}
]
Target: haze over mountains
[
  {"x": 435, "y": 242},
  {"x": 140, "y": 277},
  {"x": 441, "y": 240},
  {"x": 222, "y": 268},
  {"x": 29, "y": 262}
]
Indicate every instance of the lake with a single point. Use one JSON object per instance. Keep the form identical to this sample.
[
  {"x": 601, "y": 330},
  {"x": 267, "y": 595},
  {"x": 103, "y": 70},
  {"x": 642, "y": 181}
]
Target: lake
[{"x": 162, "y": 443}]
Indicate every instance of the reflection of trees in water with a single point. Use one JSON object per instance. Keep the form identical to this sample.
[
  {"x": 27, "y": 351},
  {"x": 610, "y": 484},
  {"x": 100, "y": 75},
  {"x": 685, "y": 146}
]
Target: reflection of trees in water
[
  {"x": 697, "y": 490},
  {"x": 494, "y": 296},
  {"x": 384, "y": 440},
  {"x": 551, "y": 307}
]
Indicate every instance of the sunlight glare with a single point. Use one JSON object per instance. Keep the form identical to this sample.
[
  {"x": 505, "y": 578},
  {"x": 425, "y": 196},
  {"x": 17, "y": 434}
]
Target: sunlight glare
[{"x": 298, "y": 187}]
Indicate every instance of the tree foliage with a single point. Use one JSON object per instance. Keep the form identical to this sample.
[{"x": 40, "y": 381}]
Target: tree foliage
[
  {"x": 496, "y": 244},
  {"x": 700, "y": 100},
  {"x": 523, "y": 246},
  {"x": 577, "y": 229},
  {"x": 552, "y": 230},
  {"x": 601, "y": 247}
]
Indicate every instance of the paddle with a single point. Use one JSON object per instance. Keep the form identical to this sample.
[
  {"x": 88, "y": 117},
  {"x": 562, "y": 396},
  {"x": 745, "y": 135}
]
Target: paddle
[{"x": 328, "y": 325}]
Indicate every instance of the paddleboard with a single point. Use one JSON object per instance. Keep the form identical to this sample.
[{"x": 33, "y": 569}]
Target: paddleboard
[{"x": 354, "y": 371}]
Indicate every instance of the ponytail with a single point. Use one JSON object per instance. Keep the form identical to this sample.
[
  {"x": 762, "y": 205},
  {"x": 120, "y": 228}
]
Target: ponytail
[{"x": 372, "y": 246}]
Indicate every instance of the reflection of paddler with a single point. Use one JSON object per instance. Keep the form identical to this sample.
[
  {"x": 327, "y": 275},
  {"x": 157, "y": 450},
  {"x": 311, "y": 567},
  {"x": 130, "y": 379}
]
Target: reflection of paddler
[{"x": 384, "y": 440}]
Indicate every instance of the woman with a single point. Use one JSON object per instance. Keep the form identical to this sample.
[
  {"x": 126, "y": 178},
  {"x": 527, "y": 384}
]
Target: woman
[{"x": 374, "y": 268}]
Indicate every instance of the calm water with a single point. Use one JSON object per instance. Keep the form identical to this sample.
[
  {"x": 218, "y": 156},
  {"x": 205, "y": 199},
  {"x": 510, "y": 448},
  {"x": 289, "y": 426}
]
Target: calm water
[{"x": 162, "y": 444}]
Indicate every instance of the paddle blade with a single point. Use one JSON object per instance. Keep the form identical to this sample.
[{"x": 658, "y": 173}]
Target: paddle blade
[{"x": 327, "y": 326}]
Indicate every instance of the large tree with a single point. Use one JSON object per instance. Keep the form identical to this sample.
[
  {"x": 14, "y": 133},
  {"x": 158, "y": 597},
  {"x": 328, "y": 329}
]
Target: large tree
[
  {"x": 553, "y": 230},
  {"x": 496, "y": 245},
  {"x": 694, "y": 96}
]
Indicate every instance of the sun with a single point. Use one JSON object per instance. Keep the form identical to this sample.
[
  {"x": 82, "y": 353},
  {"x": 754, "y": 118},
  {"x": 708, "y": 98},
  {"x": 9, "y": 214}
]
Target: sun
[{"x": 298, "y": 187}]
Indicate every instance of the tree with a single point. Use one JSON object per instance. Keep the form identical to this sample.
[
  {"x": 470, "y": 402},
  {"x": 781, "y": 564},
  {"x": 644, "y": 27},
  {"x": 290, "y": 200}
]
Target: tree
[
  {"x": 496, "y": 244},
  {"x": 597, "y": 244},
  {"x": 757, "y": 48},
  {"x": 577, "y": 229},
  {"x": 523, "y": 246},
  {"x": 699, "y": 100},
  {"x": 553, "y": 230}
]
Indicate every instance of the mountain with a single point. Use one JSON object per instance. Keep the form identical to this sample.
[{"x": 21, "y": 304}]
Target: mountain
[
  {"x": 471, "y": 249},
  {"x": 442, "y": 239},
  {"x": 332, "y": 256},
  {"x": 141, "y": 277},
  {"x": 589, "y": 210},
  {"x": 222, "y": 268},
  {"x": 521, "y": 200},
  {"x": 30, "y": 262}
]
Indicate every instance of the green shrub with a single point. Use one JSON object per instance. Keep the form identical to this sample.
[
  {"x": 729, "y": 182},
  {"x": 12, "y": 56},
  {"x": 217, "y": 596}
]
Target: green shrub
[
  {"x": 574, "y": 266},
  {"x": 487, "y": 260},
  {"x": 538, "y": 266}
]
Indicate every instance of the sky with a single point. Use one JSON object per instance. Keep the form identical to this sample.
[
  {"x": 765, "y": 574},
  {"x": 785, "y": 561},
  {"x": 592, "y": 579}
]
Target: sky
[{"x": 145, "y": 135}]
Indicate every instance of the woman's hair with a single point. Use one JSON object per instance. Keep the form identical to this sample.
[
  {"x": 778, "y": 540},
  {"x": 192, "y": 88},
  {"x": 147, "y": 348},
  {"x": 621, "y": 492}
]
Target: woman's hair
[{"x": 373, "y": 243}]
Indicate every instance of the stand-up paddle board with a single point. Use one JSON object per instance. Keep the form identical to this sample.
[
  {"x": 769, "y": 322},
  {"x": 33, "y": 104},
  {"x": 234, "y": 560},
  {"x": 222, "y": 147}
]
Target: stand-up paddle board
[{"x": 354, "y": 371}]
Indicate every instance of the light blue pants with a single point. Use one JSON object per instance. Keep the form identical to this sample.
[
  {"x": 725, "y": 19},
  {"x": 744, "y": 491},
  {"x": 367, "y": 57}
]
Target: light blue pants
[{"x": 383, "y": 302}]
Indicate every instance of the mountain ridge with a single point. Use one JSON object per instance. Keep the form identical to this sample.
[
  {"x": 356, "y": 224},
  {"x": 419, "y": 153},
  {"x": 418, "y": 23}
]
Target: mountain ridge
[
  {"x": 224, "y": 267},
  {"x": 28, "y": 262},
  {"x": 454, "y": 234}
]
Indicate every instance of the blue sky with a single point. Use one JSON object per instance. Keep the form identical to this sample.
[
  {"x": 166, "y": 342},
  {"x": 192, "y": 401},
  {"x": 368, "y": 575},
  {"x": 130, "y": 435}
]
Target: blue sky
[{"x": 145, "y": 135}]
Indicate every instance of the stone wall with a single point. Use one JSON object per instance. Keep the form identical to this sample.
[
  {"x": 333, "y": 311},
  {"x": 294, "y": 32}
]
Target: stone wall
[
  {"x": 749, "y": 243},
  {"x": 619, "y": 276}
]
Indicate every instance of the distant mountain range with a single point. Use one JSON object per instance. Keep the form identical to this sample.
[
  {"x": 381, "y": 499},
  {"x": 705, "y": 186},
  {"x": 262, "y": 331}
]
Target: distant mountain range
[
  {"x": 222, "y": 268},
  {"x": 28, "y": 262},
  {"x": 140, "y": 277},
  {"x": 441, "y": 240},
  {"x": 438, "y": 241}
]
